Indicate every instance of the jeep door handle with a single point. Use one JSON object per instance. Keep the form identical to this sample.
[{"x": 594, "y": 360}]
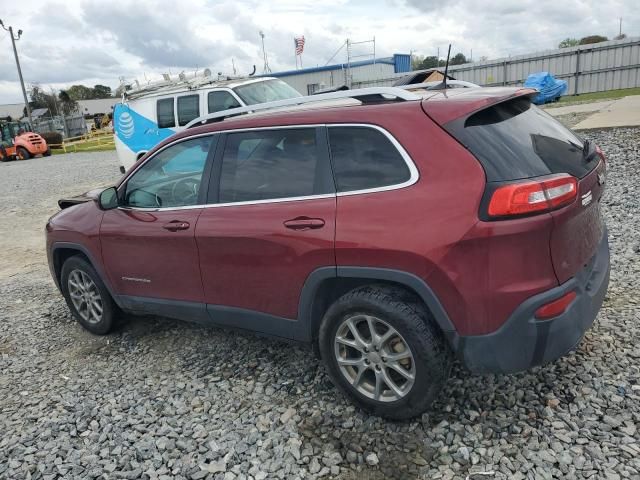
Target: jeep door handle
[
  {"x": 176, "y": 225},
  {"x": 304, "y": 223}
]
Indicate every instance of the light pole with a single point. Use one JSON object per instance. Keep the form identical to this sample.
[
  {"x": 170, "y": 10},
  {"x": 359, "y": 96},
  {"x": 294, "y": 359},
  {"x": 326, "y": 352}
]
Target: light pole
[{"x": 15, "y": 53}]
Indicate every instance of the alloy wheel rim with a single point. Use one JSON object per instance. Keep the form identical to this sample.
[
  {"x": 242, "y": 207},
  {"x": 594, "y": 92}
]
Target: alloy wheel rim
[
  {"x": 374, "y": 358},
  {"x": 85, "y": 296}
]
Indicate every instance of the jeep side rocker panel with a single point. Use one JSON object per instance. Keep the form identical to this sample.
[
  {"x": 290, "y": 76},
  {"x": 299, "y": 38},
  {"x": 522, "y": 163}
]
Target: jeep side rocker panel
[{"x": 301, "y": 329}]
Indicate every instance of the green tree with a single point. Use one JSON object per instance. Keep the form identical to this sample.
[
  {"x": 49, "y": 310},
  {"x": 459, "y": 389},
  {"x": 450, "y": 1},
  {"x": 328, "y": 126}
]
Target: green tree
[
  {"x": 68, "y": 104},
  {"x": 416, "y": 62},
  {"x": 592, "y": 39},
  {"x": 41, "y": 99},
  {"x": 430, "y": 62},
  {"x": 424, "y": 63},
  {"x": 80, "y": 92},
  {"x": 458, "y": 59},
  {"x": 568, "y": 42},
  {"x": 101, "y": 91}
]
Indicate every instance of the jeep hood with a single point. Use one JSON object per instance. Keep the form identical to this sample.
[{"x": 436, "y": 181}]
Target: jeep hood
[{"x": 91, "y": 195}]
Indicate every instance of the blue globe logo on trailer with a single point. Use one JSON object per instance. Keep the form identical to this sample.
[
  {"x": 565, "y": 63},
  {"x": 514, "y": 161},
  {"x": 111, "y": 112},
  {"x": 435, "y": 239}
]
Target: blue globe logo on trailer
[
  {"x": 135, "y": 132},
  {"x": 126, "y": 125}
]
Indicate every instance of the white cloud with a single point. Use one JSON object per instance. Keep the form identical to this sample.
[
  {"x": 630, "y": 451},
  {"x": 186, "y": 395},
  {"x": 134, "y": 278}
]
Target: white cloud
[{"x": 82, "y": 41}]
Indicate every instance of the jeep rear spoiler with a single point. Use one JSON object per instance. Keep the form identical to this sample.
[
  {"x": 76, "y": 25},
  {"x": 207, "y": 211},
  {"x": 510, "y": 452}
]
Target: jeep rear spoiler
[{"x": 447, "y": 105}]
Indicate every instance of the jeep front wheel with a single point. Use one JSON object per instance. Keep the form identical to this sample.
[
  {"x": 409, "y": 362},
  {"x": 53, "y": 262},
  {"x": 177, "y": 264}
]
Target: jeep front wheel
[
  {"x": 87, "y": 297},
  {"x": 382, "y": 349}
]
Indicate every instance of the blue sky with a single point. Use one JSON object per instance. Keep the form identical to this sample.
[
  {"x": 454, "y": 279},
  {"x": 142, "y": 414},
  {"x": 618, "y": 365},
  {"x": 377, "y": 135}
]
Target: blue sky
[{"x": 89, "y": 42}]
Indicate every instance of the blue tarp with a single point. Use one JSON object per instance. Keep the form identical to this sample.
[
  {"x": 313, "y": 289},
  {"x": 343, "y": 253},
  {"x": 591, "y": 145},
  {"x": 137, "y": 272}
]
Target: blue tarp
[{"x": 549, "y": 88}]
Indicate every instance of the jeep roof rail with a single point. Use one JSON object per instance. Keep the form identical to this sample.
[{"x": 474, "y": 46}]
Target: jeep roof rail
[{"x": 365, "y": 95}]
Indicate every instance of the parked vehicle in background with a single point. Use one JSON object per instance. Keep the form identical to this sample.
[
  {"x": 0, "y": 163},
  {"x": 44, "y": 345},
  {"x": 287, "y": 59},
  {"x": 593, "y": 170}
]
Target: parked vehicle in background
[
  {"x": 393, "y": 234},
  {"x": 18, "y": 141},
  {"x": 151, "y": 114}
]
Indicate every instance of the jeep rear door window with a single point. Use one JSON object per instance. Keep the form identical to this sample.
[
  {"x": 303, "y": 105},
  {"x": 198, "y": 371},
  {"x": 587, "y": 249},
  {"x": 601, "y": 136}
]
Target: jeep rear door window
[
  {"x": 515, "y": 140},
  {"x": 188, "y": 109},
  {"x": 271, "y": 164},
  {"x": 166, "y": 117},
  {"x": 221, "y": 100},
  {"x": 364, "y": 158}
]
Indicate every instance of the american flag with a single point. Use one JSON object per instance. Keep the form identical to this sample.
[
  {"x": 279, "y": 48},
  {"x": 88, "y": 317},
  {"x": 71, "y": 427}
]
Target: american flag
[{"x": 299, "y": 42}]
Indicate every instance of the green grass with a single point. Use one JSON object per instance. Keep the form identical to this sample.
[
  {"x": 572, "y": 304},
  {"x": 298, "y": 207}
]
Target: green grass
[{"x": 592, "y": 97}]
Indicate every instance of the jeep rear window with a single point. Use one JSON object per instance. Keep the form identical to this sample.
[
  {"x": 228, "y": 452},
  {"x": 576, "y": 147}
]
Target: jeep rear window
[
  {"x": 515, "y": 140},
  {"x": 364, "y": 158}
]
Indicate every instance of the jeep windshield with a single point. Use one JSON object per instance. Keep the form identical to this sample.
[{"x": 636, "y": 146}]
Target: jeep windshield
[{"x": 267, "y": 91}]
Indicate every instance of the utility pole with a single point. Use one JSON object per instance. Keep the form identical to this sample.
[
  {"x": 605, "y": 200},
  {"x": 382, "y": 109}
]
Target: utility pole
[
  {"x": 265, "y": 68},
  {"x": 348, "y": 78},
  {"x": 15, "y": 53},
  {"x": 620, "y": 32}
]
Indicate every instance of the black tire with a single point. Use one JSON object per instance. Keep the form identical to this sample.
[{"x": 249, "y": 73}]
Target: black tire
[
  {"x": 23, "y": 153},
  {"x": 47, "y": 153},
  {"x": 4, "y": 156},
  {"x": 408, "y": 316},
  {"x": 110, "y": 310}
]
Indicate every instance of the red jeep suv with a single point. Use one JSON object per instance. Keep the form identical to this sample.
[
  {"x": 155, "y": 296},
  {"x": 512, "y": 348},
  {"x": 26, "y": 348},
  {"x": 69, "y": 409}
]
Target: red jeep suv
[{"x": 393, "y": 230}]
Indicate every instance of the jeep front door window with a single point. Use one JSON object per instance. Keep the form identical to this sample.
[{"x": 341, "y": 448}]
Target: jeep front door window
[{"x": 172, "y": 178}]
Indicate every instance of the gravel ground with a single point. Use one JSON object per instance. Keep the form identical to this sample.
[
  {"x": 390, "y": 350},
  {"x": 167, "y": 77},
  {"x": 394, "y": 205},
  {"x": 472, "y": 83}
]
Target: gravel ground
[{"x": 165, "y": 399}]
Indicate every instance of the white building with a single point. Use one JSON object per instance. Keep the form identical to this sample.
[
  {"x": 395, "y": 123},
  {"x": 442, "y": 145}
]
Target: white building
[{"x": 356, "y": 74}]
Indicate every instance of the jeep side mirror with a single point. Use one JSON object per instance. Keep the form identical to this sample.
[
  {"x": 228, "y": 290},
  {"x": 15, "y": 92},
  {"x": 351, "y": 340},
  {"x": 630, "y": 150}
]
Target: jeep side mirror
[{"x": 108, "y": 199}]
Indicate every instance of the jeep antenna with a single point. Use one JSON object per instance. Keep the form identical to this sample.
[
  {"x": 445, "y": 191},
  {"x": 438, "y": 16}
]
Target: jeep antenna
[{"x": 443, "y": 85}]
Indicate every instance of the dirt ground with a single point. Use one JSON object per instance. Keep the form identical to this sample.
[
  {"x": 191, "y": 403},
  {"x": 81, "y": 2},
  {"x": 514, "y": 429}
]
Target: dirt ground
[{"x": 23, "y": 217}]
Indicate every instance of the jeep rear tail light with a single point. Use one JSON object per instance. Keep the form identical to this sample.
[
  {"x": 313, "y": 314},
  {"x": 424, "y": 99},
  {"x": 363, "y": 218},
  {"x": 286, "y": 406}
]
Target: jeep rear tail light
[
  {"x": 533, "y": 196},
  {"x": 555, "y": 308}
]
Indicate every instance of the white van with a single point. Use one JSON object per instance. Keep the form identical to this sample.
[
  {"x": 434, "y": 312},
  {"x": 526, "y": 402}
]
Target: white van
[{"x": 152, "y": 113}]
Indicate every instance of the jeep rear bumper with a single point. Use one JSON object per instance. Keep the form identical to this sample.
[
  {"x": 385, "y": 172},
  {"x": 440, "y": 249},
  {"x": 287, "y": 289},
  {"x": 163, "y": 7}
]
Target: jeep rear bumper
[{"x": 524, "y": 341}]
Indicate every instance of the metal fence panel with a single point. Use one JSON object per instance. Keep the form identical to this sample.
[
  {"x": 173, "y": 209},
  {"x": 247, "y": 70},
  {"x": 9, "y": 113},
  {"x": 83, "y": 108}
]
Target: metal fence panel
[{"x": 586, "y": 68}]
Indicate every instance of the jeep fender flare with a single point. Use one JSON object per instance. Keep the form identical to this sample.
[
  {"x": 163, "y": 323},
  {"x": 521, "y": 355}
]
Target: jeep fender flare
[
  {"x": 306, "y": 331},
  {"x": 83, "y": 250}
]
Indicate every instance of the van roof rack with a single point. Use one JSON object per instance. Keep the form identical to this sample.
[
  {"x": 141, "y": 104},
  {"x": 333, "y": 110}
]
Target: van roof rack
[{"x": 365, "y": 95}]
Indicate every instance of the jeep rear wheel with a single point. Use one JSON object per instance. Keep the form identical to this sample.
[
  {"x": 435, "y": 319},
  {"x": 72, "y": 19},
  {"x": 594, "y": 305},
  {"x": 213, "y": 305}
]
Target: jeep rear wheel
[
  {"x": 382, "y": 349},
  {"x": 87, "y": 297}
]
